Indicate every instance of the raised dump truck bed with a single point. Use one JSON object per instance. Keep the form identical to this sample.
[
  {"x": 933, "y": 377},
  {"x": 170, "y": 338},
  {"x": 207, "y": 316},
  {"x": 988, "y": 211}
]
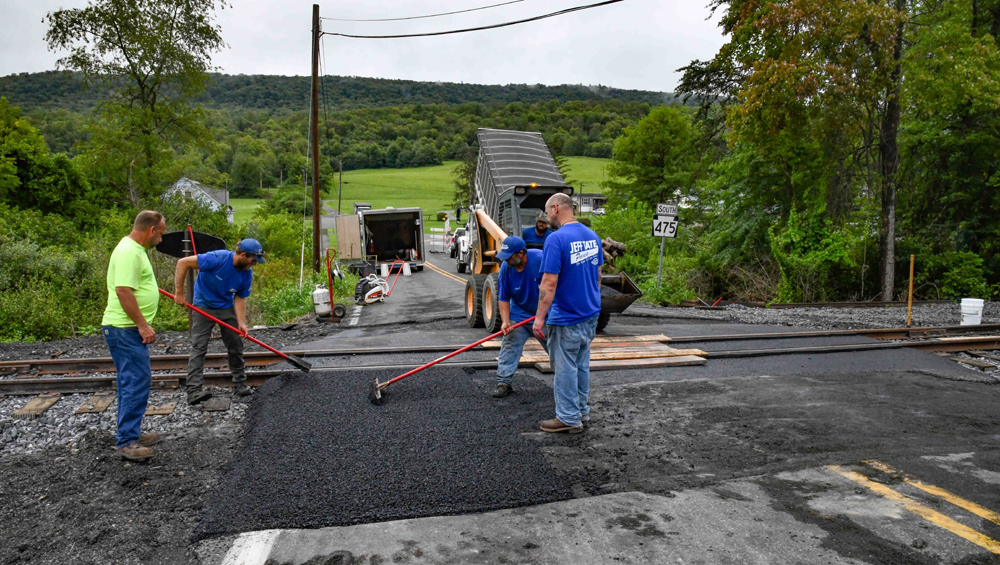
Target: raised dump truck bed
[{"x": 515, "y": 176}]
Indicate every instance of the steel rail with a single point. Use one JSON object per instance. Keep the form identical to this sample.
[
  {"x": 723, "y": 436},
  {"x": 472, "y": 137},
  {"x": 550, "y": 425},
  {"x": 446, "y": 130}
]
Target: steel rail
[
  {"x": 71, "y": 385},
  {"x": 67, "y": 385},
  {"x": 263, "y": 358}
]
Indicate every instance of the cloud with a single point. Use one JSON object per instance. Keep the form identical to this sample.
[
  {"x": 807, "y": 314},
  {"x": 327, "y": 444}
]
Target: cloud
[{"x": 633, "y": 44}]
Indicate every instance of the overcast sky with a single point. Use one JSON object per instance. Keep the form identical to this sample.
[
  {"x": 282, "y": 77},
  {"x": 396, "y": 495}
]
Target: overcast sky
[{"x": 636, "y": 44}]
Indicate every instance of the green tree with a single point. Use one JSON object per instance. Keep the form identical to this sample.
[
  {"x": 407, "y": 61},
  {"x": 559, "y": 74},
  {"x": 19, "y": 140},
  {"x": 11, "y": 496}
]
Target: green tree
[
  {"x": 31, "y": 178},
  {"x": 951, "y": 142},
  {"x": 465, "y": 176},
  {"x": 804, "y": 72},
  {"x": 154, "y": 58},
  {"x": 655, "y": 160}
]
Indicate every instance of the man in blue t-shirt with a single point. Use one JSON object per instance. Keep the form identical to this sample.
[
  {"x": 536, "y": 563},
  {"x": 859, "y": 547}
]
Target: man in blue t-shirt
[
  {"x": 537, "y": 235},
  {"x": 518, "y": 299},
  {"x": 569, "y": 302},
  {"x": 221, "y": 289}
]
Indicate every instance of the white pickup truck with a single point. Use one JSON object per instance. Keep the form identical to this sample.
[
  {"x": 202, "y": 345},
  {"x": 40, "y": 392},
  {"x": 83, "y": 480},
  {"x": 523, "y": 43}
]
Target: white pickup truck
[{"x": 461, "y": 250}]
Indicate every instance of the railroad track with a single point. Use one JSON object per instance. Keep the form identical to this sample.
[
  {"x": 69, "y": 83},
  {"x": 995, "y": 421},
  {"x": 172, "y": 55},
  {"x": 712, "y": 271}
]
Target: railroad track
[{"x": 37, "y": 376}]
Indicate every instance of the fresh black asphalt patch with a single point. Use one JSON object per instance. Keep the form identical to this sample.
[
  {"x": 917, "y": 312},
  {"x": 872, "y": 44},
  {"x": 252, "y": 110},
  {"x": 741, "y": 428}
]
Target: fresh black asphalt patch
[{"x": 317, "y": 453}]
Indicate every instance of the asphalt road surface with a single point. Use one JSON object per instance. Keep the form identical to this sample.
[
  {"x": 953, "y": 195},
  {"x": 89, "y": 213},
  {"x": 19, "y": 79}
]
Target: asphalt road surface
[{"x": 869, "y": 457}]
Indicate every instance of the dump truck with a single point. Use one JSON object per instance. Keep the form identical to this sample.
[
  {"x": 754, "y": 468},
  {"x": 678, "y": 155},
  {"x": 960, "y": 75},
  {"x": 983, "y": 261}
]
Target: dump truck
[
  {"x": 382, "y": 236},
  {"x": 515, "y": 176}
]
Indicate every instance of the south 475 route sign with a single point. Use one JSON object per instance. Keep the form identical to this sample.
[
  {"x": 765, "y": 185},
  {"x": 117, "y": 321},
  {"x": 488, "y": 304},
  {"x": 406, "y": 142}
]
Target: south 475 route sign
[{"x": 664, "y": 226}]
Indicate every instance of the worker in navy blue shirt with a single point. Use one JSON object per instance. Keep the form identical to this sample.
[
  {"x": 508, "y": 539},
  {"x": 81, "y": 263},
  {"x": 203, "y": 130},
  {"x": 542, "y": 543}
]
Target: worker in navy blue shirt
[
  {"x": 221, "y": 289},
  {"x": 569, "y": 302},
  {"x": 537, "y": 234},
  {"x": 518, "y": 299}
]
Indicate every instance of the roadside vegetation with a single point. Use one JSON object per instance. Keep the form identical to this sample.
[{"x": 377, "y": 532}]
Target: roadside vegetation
[
  {"x": 830, "y": 142},
  {"x": 835, "y": 139}
]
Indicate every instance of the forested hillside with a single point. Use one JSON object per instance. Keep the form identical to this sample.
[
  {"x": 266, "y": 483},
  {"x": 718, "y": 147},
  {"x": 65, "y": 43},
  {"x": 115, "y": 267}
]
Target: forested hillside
[
  {"x": 247, "y": 149},
  {"x": 282, "y": 94}
]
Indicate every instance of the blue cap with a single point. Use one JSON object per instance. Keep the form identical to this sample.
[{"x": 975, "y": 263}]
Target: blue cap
[
  {"x": 253, "y": 247},
  {"x": 511, "y": 245}
]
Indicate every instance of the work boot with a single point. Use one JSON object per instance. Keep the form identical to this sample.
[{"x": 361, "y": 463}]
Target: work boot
[
  {"x": 502, "y": 390},
  {"x": 585, "y": 420},
  {"x": 198, "y": 396},
  {"x": 241, "y": 390},
  {"x": 135, "y": 452},
  {"x": 556, "y": 425},
  {"x": 149, "y": 439}
]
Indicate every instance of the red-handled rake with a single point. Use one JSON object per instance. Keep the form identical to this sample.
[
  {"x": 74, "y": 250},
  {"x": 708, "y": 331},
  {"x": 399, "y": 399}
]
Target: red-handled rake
[
  {"x": 300, "y": 363},
  {"x": 375, "y": 396}
]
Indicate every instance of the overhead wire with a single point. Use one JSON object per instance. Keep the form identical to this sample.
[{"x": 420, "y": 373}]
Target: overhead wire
[
  {"x": 424, "y": 17},
  {"x": 480, "y": 28}
]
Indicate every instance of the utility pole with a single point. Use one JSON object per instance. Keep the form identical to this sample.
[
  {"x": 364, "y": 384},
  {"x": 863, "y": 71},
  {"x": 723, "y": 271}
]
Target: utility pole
[
  {"x": 340, "y": 190},
  {"x": 314, "y": 135}
]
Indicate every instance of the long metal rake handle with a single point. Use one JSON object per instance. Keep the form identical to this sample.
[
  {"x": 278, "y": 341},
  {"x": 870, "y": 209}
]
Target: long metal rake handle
[{"x": 454, "y": 353}]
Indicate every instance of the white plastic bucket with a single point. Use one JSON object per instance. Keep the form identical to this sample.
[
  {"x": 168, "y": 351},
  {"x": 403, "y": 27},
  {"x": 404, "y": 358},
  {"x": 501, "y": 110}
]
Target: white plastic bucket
[{"x": 972, "y": 311}]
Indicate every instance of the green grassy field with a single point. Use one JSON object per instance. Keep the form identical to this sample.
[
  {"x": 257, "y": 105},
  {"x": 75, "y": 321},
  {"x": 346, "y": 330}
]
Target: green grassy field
[
  {"x": 429, "y": 188},
  {"x": 587, "y": 170}
]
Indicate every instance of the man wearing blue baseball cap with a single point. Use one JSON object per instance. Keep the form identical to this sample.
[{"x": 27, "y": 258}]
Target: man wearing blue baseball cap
[
  {"x": 520, "y": 275},
  {"x": 221, "y": 289}
]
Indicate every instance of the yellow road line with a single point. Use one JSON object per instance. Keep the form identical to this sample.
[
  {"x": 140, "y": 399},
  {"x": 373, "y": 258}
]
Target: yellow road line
[
  {"x": 441, "y": 271},
  {"x": 976, "y": 509},
  {"x": 924, "y": 512}
]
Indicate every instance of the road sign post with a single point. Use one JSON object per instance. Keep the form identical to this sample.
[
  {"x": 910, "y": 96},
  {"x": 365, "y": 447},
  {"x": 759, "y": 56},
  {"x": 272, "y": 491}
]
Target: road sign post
[
  {"x": 664, "y": 226},
  {"x": 659, "y": 272}
]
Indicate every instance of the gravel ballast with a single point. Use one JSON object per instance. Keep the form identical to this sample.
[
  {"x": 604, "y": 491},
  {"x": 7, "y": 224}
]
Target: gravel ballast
[
  {"x": 317, "y": 453},
  {"x": 823, "y": 318},
  {"x": 59, "y": 426}
]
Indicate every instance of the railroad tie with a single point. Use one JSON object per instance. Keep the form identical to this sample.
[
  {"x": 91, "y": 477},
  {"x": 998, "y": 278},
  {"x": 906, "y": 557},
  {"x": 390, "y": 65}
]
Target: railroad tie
[
  {"x": 985, "y": 355},
  {"x": 215, "y": 404},
  {"x": 37, "y": 406},
  {"x": 97, "y": 403},
  {"x": 973, "y": 362},
  {"x": 161, "y": 410}
]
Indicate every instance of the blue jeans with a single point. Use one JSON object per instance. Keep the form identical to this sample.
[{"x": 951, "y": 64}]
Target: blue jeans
[
  {"x": 569, "y": 353},
  {"x": 135, "y": 376},
  {"x": 510, "y": 352}
]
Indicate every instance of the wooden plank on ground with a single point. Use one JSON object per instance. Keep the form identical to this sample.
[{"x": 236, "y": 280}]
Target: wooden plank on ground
[
  {"x": 37, "y": 406},
  {"x": 970, "y": 339},
  {"x": 606, "y": 356},
  {"x": 495, "y": 343},
  {"x": 161, "y": 410},
  {"x": 97, "y": 403},
  {"x": 974, "y": 363},
  {"x": 620, "y": 348},
  {"x": 533, "y": 345},
  {"x": 622, "y": 364},
  {"x": 215, "y": 404}
]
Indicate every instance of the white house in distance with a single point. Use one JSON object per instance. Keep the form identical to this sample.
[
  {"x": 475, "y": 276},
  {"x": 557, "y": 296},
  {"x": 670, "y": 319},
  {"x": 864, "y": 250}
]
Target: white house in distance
[
  {"x": 214, "y": 198},
  {"x": 588, "y": 202}
]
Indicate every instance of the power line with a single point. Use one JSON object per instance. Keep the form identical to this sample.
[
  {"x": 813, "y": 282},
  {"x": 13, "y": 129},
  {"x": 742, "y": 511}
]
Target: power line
[
  {"x": 481, "y": 28},
  {"x": 427, "y": 16}
]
